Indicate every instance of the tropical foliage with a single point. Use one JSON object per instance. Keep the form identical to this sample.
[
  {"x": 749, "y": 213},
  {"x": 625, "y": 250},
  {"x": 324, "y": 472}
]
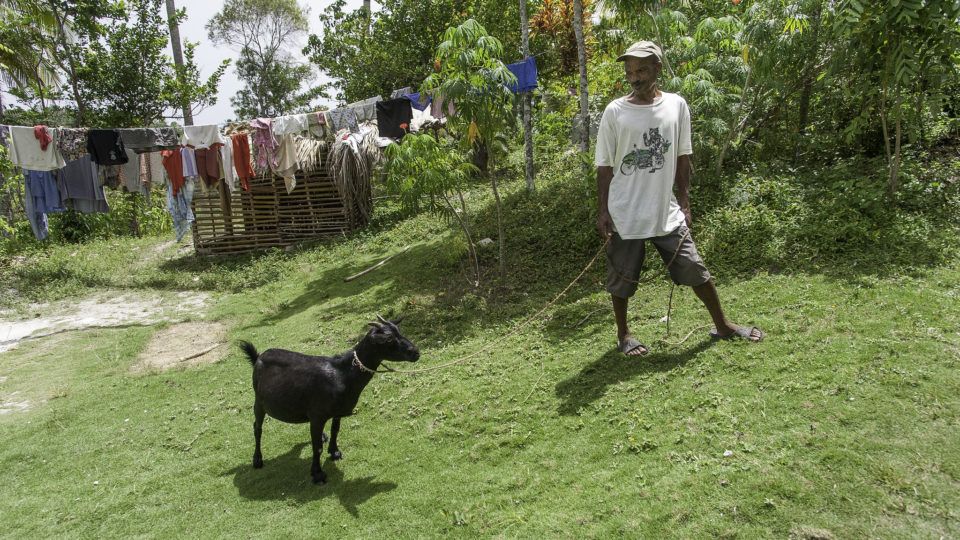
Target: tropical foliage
[{"x": 264, "y": 32}]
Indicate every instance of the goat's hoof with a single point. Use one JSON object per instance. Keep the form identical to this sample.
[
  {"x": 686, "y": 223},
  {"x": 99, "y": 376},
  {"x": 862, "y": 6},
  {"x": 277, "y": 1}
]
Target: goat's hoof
[
  {"x": 334, "y": 456},
  {"x": 320, "y": 479},
  {"x": 257, "y": 462}
]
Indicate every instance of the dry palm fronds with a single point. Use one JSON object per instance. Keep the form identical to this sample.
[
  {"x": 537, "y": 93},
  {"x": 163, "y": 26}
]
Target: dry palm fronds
[
  {"x": 349, "y": 168},
  {"x": 310, "y": 152}
]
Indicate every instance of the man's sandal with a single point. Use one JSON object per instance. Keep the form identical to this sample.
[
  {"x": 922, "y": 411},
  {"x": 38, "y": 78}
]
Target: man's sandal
[
  {"x": 630, "y": 345},
  {"x": 752, "y": 334}
]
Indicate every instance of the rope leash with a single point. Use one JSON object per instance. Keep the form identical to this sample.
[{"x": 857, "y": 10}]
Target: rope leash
[
  {"x": 516, "y": 329},
  {"x": 523, "y": 324}
]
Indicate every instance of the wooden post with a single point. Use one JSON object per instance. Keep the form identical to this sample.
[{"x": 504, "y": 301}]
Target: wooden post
[
  {"x": 178, "y": 57},
  {"x": 582, "y": 61},
  {"x": 527, "y": 98}
]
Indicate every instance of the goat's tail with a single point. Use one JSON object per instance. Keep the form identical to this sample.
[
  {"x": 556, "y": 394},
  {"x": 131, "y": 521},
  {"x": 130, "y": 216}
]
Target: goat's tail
[{"x": 251, "y": 351}]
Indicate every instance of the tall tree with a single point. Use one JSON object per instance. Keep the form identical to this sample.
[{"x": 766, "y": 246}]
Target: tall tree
[
  {"x": 129, "y": 79},
  {"x": 471, "y": 74},
  {"x": 26, "y": 48},
  {"x": 367, "y": 55},
  {"x": 264, "y": 32},
  {"x": 527, "y": 127},
  {"x": 582, "y": 63},
  {"x": 177, "y": 48}
]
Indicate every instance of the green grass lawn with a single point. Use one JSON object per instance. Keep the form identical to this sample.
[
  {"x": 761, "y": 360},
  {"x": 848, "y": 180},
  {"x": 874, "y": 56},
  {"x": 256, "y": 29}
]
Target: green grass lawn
[{"x": 844, "y": 422}]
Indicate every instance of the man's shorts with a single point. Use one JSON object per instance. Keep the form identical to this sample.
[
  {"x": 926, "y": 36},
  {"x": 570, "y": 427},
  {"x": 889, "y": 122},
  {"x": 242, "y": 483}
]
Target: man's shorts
[{"x": 625, "y": 260}]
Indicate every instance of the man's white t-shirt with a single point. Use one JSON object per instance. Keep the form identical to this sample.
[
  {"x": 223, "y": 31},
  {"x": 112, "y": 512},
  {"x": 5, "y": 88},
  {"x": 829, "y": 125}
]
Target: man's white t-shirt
[{"x": 642, "y": 143}]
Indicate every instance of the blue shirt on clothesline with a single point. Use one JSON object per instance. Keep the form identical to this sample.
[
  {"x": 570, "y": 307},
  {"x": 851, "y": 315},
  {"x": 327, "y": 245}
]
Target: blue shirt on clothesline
[{"x": 526, "y": 73}]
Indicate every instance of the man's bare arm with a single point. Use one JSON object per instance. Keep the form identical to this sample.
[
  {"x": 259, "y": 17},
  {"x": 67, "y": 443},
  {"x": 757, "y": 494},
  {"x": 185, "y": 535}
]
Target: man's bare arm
[
  {"x": 604, "y": 223},
  {"x": 681, "y": 183}
]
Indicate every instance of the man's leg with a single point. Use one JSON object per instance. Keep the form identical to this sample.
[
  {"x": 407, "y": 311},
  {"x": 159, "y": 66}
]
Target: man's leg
[
  {"x": 686, "y": 268},
  {"x": 707, "y": 293},
  {"x": 624, "y": 261},
  {"x": 623, "y": 329}
]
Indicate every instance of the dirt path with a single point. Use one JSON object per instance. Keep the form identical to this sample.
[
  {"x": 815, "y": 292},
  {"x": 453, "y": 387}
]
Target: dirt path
[{"x": 103, "y": 310}]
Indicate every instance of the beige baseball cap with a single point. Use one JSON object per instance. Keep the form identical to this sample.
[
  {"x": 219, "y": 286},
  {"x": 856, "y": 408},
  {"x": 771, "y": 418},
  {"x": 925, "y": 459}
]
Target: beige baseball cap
[{"x": 642, "y": 49}]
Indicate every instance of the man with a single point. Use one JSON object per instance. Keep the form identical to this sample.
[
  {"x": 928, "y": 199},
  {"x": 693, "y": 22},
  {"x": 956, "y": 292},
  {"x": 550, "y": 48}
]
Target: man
[{"x": 643, "y": 151}]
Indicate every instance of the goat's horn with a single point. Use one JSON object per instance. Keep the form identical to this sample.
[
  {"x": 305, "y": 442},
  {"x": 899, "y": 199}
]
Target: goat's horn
[
  {"x": 399, "y": 319},
  {"x": 381, "y": 319}
]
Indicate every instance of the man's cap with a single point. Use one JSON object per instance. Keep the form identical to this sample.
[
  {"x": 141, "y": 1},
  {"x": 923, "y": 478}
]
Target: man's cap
[{"x": 642, "y": 49}]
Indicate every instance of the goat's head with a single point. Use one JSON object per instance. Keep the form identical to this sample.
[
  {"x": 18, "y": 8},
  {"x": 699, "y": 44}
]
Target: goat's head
[{"x": 385, "y": 336}]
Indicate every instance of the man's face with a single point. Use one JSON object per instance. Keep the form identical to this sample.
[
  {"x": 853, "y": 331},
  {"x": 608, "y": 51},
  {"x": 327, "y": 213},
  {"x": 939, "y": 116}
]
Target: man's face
[{"x": 642, "y": 73}]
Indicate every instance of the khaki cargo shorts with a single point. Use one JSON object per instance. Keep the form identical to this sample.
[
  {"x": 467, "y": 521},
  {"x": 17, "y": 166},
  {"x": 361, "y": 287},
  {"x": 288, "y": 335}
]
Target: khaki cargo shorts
[{"x": 625, "y": 261}]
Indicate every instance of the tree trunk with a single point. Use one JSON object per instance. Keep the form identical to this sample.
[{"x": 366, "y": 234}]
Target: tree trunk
[
  {"x": 178, "y": 58},
  {"x": 481, "y": 157},
  {"x": 656, "y": 28},
  {"x": 733, "y": 128},
  {"x": 69, "y": 67},
  {"x": 527, "y": 127},
  {"x": 466, "y": 234},
  {"x": 500, "y": 238},
  {"x": 895, "y": 164},
  {"x": 582, "y": 63},
  {"x": 806, "y": 92}
]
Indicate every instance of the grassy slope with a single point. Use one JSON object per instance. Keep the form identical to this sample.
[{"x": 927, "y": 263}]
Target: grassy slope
[{"x": 845, "y": 419}]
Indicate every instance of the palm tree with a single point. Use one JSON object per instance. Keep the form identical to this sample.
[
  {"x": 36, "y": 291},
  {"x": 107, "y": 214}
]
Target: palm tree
[{"x": 27, "y": 28}]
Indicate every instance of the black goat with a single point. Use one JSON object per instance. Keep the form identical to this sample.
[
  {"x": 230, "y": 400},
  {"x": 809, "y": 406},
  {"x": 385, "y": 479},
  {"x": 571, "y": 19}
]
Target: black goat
[{"x": 297, "y": 388}]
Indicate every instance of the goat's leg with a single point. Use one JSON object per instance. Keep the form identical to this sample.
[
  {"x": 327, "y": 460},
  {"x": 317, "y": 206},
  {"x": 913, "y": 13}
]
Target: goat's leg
[
  {"x": 316, "y": 436},
  {"x": 258, "y": 414},
  {"x": 332, "y": 448}
]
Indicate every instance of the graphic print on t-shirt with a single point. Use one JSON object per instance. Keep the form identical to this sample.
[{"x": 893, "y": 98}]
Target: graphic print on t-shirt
[{"x": 650, "y": 157}]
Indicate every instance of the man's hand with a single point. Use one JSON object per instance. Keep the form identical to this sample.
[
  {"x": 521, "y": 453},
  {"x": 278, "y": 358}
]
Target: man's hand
[
  {"x": 604, "y": 225},
  {"x": 687, "y": 216}
]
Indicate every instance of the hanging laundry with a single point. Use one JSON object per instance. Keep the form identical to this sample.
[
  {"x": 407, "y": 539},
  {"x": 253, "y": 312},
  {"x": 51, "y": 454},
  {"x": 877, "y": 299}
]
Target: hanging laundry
[
  {"x": 41, "y": 134},
  {"x": 106, "y": 147},
  {"x": 286, "y": 164},
  {"x": 399, "y": 93},
  {"x": 366, "y": 109},
  {"x": 42, "y": 197},
  {"x": 202, "y": 136},
  {"x": 526, "y": 73},
  {"x": 110, "y": 176},
  {"x": 72, "y": 142},
  {"x": 318, "y": 125},
  {"x": 155, "y": 172},
  {"x": 208, "y": 164},
  {"x": 173, "y": 164},
  {"x": 241, "y": 159},
  {"x": 146, "y": 174},
  {"x": 226, "y": 165},
  {"x": 178, "y": 205},
  {"x": 440, "y": 108},
  {"x": 293, "y": 123},
  {"x": 264, "y": 142},
  {"x": 415, "y": 101},
  {"x": 142, "y": 140},
  {"x": 38, "y": 220},
  {"x": 343, "y": 118},
  {"x": 393, "y": 117},
  {"x": 189, "y": 161},
  {"x": 26, "y": 153},
  {"x": 79, "y": 188}
]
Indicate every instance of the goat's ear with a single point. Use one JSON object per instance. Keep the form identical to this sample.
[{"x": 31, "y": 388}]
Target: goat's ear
[
  {"x": 375, "y": 325},
  {"x": 399, "y": 319}
]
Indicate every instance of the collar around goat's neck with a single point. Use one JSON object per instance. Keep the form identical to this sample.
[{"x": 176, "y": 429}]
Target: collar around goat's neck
[
  {"x": 359, "y": 364},
  {"x": 362, "y": 367}
]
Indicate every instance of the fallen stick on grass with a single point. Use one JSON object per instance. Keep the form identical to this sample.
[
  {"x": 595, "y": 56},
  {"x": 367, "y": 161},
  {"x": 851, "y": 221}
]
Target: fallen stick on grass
[{"x": 378, "y": 265}]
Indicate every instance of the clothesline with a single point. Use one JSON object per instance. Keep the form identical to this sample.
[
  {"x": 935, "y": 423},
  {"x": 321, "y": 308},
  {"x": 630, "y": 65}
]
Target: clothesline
[{"x": 68, "y": 167}]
